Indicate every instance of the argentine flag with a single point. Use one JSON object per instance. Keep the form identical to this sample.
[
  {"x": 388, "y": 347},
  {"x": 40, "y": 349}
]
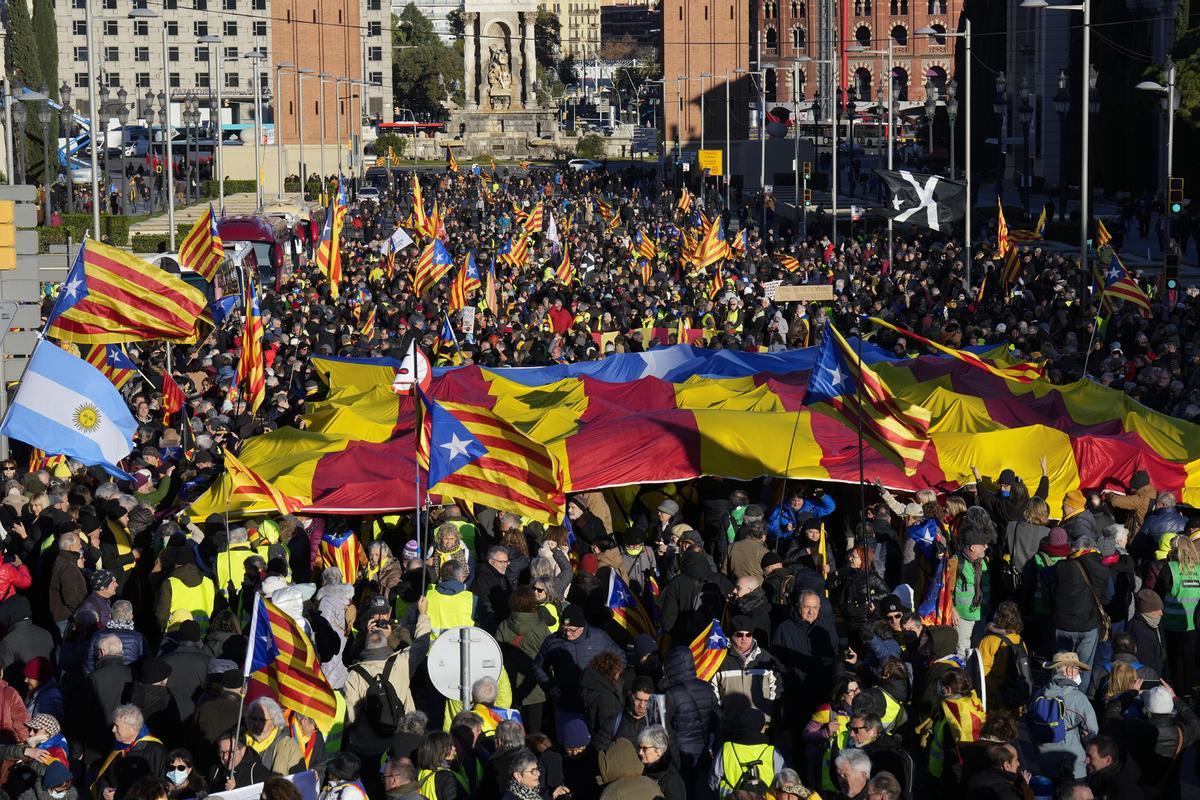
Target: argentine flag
[{"x": 66, "y": 406}]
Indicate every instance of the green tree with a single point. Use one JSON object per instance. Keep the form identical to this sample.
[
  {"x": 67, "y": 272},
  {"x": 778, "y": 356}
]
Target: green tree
[
  {"x": 45, "y": 32},
  {"x": 590, "y": 146},
  {"x": 424, "y": 69},
  {"x": 23, "y": 61},
  {"x": 547, "y": 39}
]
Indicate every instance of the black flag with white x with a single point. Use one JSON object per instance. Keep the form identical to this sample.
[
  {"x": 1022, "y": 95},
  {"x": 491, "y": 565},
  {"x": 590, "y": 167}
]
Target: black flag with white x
[{"x": 927, "y": 200}]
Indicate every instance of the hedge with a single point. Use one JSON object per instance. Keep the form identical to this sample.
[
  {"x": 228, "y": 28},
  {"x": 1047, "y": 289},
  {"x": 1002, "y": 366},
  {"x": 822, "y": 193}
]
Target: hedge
[
  {"x": 114, "y": 229},
  {"x": 312, "y": 188},
  {"x": 212, "y": 188}
]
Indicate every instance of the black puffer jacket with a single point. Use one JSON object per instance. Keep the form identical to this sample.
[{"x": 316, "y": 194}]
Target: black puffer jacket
[
  {"x": 601, "y": 707},
  {"x": 693, "y": 598},
  {"x": 690, "y": 703},
  {"x": 1074, "y": 608}
]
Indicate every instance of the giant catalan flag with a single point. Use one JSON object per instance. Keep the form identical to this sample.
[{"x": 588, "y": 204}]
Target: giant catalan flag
[
  {"x": 202, "y": 250},
  {"x": 282, "y": 663},
  {"x": 676, "y": 413},
  {"x": 1025, "y": 372},
  {"x": 110, "y": 296},
  {"x": 250, "y": 484}
]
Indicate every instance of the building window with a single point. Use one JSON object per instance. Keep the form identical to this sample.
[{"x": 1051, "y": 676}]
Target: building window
[
  {"x": 81, "y": 80},
  {"x": 375, "y": 54},
  {"x": 202, "y": 80},
  {"x": 372, "y": 5},
  {"x": 259, "y": 5},
  {"x": 200, "y": 5},
  {"x": 113, "y": 79},
  {"x": 110, "y": 27},
  {"x": 339, "y": 16},
  {"x": 374, "y": 28},
  {"x": 112, "y": 54},
  {"x": 201, "y": 54},
  {"x": 110, "y": 5},
  {"x": 81, "y": 54},
  {"x": 939, "y": 33},
  {"x": 937, "y": 6},
  {"x": 259, "y": 28},
  {"x": 173, "y": 53},
  {"x": 199, "y": 28},
  {"x": 231, "y": 53},
  {"x": 900, "y": 36},
  {"x": 143, "y": 80},
  {"x": 899, "y": 7},
  {"x": 141, "y": 27},
  {"x": 173, "y": 28},
  {"x": 141, "y": 54},
  {"x": 79, "y": 3},
  {"x": 229, "y": 5},
  {"x": 289, "y": 16},
  {"x": 862, "y": 35},
  {"x": 772, "y": 39},
  {"x": 79, "y": 27},
  {"x": 232, "y": 80},
  {"x": 375, "y": 77},
  {"x": 798, "y": 38},
  {"x": 230, "y": 27},
  {"x": 175, "y": 84},
  {"x": 798, "y": 9},
  {"x": 170, "y": 5}
]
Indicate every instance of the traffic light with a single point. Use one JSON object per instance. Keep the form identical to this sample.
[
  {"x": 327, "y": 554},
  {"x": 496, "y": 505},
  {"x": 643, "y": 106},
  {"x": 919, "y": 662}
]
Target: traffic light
[
  {"x": 1171, "y": 271},
  {"x": 1175, "y": 195},
  {"x": 807, "y": 170},
  {"x": 8, "y": 235},
  {"x": 807, "y": 198}
]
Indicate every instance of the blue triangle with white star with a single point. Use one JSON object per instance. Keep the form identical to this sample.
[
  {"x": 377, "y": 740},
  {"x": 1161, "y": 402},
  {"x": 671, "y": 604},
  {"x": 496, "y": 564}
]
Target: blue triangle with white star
[
  {"x": 831, "y": 375},
  {"x": 451, "y": 445},
  {"x": 74, "y": 288}
]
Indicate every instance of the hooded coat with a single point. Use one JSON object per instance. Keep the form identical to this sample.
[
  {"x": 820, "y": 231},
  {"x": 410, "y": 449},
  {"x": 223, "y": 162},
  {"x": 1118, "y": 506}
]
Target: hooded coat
[
  {"x": 601, "y": 700},
  {"x": 621, "y": 774},
  {"x": 693, "y": 598},
  {"x": 331, "y": 605},
  {"x": 690, "y": 704}
]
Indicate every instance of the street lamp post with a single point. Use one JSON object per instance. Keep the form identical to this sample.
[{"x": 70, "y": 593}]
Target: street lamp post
[
  {"x": 279, "y": 68},
  {"x": 214, "y": 123},
  {"x": 256, "y": 56},
  {"x": 168, "y": 134},
  {"x": 300, "y": 73},
  {"x": 1170, "y": 101},
  {"x": 762, "y": 140},
  {"x": 123, "y": 120},
  {"x": 891, "y": 111},
  {"x": 967, "y": 149},
  {"x": 94, "y": 77},
  {"x": 931, "y": 99},
  {"x": 1000, "y": 109},
  {"x": 1084, "y": 160},
  {"x": 1093, "y": 109},
  {"x": 321, "y": 77},
  {"x": 952, "y": 116},
  {"x": 44, "y": 113},
  {"x": 1025, "y": 116},
  {"x": 152, "y": 191},
  {"x": 18, "y": 114},
  {"x": 64, "y": 97},
  {"x": 1062, "y": 105}
]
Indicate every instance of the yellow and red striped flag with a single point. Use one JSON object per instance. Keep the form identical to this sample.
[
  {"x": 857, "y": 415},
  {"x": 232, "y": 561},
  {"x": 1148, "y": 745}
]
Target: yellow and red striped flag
[
  {"x": 466, "y": 281},
  {"x": 1025, "y": 372},
  {"x": 434, "y": 264},
  {"x": 343, "y": 551},
  {"x": 709, "y": 650},
  {"x": 249, "y": 484},
  {"x": 1103, "y": 237},
  {"x": 717, "y": 283},
  {"x": 1120, "y": 285},
  {"x": 1002, "y": 243},
  {"x": 566, "y": 270},
  {"x": 790, "y": 263},
  {"x": 451, "y": 161},
  {"x": 329, "y": 250},
  {"x": 712, "y": 247},
  {"x": 173, "y": 397},
  {"x": 251, "y": 374},
  {"x": 202, "y": 250},
  {"x": 110, "y": 296},
  {"x": 685, "y": 201},
  {"x": 114, "y": 362},
  {"x": 282, "y": 663},
  {"x": 898, "y": 430},
  {"x": 420, "y": 221},
  {"x": 490, "y": 293},
  {"x": 472, "y": 454},
  {"x": 368, "y": 327},
  {"x": 533, "y": 222}
]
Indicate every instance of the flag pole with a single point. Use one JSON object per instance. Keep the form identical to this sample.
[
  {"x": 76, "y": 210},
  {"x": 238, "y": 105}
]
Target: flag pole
[
  {"x": 862, "y": 494},
  {"x": 418, "y": 424},
  {"x": 237, "y": 731}
]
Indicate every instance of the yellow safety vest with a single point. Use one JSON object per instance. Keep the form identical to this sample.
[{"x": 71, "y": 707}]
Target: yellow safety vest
[
  {"x": 450, "y": 610},
  {"x": 231, "y": 565},
  {"x": 427, "y": 778},
  {"x": 737, "y": 758},
  {"x": 556, "y": 614},
  {"x": 195, "y": 600}
]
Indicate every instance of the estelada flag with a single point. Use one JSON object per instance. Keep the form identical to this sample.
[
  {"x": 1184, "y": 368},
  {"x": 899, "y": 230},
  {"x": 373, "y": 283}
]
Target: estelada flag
[
  {"x": 281, "y": 662},
  {"x": 110, "y": 296},
  {"x": 343, "y": 551},
  {"x": 709, "y": 650},
  {"x": 202, "y": 250}
]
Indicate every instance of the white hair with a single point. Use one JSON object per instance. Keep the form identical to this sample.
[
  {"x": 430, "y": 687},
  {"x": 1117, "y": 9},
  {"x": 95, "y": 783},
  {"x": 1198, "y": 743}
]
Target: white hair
[
  {"x": 485, "y": 691},
  {"x": 855, "y": 759},
  {"x": 129, "y": 714},
  {"x": 110, "y": 645},
  {"x": 271, "y": 710}
]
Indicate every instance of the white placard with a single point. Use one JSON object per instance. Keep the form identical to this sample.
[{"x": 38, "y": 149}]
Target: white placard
[{"x": 468, "y": 321}]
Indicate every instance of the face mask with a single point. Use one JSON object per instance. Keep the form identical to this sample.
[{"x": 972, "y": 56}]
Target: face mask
[
  {"x": 1005, "y": 492},
  {"x": 36, "y": 739},
  {"x": 178, "y": 776},
  {"x": 1078, "y": 679},
  {"x": 57, "y": 795}
]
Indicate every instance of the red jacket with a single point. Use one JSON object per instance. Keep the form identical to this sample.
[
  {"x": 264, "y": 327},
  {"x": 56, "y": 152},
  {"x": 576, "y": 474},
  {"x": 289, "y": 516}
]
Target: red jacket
[
  {"x": 12, "y": 578},
  {"x": 561, "y": 320},
  {"x": 13, "y": 714}
]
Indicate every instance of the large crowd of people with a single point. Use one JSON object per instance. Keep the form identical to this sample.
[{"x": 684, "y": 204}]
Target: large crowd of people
[{"x": 1067, "y": 663}]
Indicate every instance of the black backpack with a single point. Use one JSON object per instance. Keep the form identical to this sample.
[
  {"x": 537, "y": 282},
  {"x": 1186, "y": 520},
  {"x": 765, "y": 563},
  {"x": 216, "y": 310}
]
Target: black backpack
[
  {"x": 1017, "y": 688},
  {"x": 381, "y": 705}
]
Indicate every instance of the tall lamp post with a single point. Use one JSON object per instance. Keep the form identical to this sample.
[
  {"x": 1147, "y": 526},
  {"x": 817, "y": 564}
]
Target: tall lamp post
[
  {"x": 1025, "y": 116},
  {"x": 952, "y": 116},
  {"x": 931, "y": 100},
  {"x": 1062, "y": 105},
  {"x": 1093, "y": 109},
  {"x": 1084, "y": 160},
  {"x": 64, "y": 97},
  {"x": 44, "y": 112},
  {"x": 153, "y": 189},
  {"x": 965, "y": 35},
  {"x": 168, "y": 134},
  {"x": 123, "y": 119},
  {"x": 891, "y": 110},
  {"x": 215, "y": 126},
  {"x": 1000, "y": 109},
  {"x": 18, "y": 115},
  {"x": 279, "y": 186},
  {"x": 321, "y": 78},
  {"x": 256, "y": 57},
  {"x": 1169, "y": 104},
  {"x": 762, "y": 140}
]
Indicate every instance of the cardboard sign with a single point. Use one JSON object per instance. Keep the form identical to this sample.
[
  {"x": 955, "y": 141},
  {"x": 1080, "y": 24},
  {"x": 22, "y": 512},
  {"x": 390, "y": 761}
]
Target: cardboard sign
[{"x": 806, "y": 293}]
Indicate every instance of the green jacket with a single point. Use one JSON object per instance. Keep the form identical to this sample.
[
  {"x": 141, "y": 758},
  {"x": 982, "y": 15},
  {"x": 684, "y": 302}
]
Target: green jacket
[{"x": 520, "y": 637}]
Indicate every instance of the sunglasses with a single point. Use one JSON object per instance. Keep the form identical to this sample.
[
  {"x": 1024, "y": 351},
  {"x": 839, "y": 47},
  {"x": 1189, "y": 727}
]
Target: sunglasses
[
  {"x": 181, "y": 766},
  {"x": 742, "y": 634}
]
